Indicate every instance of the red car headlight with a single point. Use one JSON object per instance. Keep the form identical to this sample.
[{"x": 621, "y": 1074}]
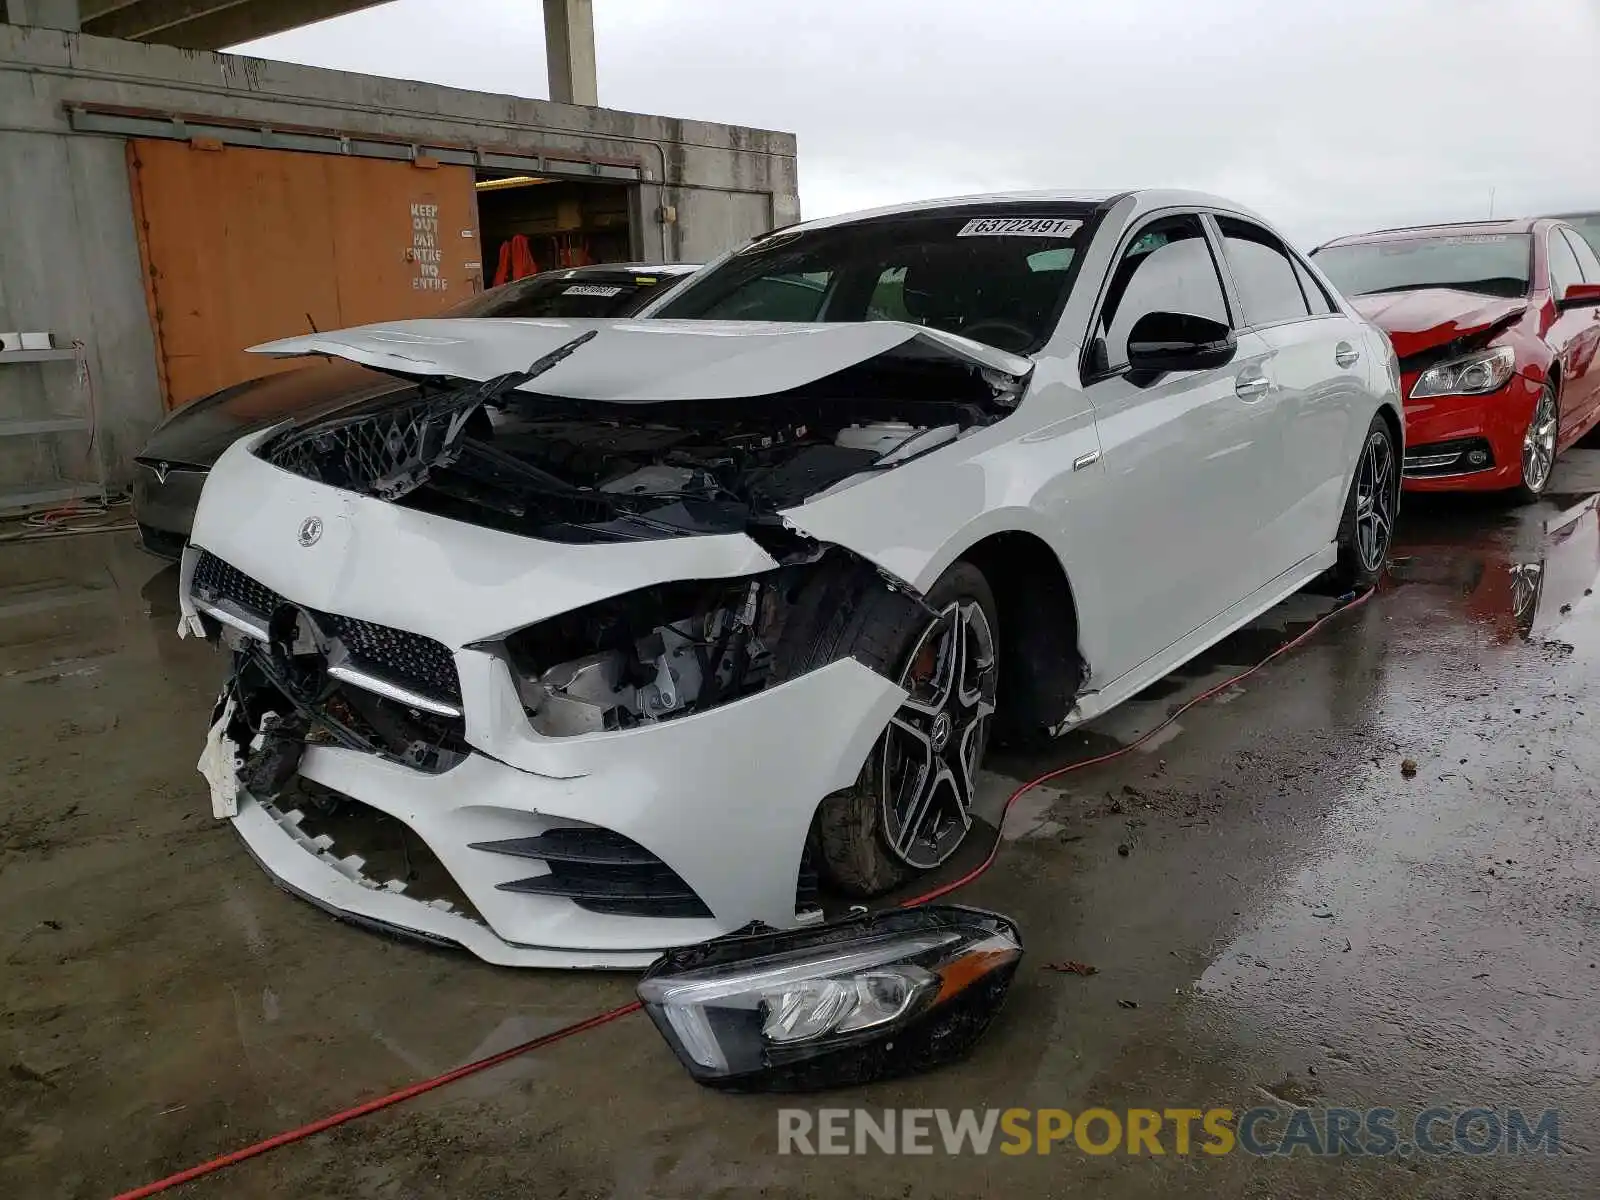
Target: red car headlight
[{"x": 1471, "y": 375}]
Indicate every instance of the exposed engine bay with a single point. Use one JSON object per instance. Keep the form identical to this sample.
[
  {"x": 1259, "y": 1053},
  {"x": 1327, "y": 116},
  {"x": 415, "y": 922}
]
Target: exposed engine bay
[{"x": 563, "y": 469}]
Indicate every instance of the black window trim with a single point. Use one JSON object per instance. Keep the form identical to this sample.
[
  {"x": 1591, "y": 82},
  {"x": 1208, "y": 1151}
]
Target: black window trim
[
  {"x": 1087, "y": 375},
  {"x": 1288, "y": 251}
]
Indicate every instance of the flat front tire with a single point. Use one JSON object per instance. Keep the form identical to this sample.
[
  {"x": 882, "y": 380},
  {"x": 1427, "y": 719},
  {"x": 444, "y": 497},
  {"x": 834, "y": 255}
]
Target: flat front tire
[{"x": 911, "y": 806}]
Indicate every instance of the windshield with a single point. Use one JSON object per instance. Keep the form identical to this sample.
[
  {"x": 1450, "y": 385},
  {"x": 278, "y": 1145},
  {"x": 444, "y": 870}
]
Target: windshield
[
  {"x": 998, "y": 277},
  {"x": 1495, "y": 264},
  {"x": 552, "y": 295}
]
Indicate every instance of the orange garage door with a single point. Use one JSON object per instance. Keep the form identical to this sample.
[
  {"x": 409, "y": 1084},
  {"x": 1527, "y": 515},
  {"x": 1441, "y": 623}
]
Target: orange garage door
[{"x": 243, "y": 245}]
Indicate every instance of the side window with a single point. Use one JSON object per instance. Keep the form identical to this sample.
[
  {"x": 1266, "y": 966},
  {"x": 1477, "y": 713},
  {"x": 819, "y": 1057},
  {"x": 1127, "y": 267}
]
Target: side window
[
  {"x": 1269, "y": 289},
  {"x": 1166, "y": 268},
  {"x": 1588, "y": 263},
  {"x": 1564, "y": 270},
  {"x": 1321, "y": 306}
]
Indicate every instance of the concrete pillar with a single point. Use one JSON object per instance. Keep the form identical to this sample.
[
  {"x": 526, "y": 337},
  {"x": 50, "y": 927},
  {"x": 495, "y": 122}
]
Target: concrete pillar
[
  {"x": 57, "y": 14},
  {"x": 569, "y": 51}
]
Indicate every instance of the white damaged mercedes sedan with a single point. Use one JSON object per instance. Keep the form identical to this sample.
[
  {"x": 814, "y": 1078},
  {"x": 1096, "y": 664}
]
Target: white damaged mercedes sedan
[{"x": 603, "y": 637}]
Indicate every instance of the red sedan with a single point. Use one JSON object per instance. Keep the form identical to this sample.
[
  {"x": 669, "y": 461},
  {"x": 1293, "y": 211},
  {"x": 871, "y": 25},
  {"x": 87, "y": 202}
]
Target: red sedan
[{"x": 1496, "y": 325}]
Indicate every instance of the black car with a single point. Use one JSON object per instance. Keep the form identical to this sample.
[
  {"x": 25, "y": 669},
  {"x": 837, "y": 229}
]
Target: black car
[{"x": 170, "y": 471}]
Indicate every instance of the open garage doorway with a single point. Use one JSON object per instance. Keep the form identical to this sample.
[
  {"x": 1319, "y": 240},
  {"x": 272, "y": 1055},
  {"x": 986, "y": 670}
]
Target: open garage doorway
[{"x": 533, "y": 223}]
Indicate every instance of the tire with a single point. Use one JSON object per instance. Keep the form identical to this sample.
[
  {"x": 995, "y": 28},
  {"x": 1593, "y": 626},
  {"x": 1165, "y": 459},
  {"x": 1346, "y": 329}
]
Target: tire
[
  {"x": 1366, "y": 527},
  {"x": 855, "y": 829},
  {"x": 1546, "y": 410}
]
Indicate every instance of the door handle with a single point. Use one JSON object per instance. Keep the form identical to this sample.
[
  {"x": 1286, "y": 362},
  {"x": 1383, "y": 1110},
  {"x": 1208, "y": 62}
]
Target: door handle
[
  {"x": 1346, "y": 355},
  {"x": 1251, "y": 387}
]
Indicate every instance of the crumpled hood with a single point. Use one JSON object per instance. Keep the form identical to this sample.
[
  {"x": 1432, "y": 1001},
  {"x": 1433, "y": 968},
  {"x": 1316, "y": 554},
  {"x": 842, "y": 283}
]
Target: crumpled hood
[
  {"x": 1427, "y": 317},
  {"x": 199, "y": 432},
  {"x": 642, "y": 361}
]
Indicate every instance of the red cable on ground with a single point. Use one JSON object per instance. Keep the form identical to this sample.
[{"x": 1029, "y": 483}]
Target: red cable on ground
[
  {"x": 946, "y": 889},
  {"x": 594, "y": 1022},
  {"x": 372, "y": 1106}
]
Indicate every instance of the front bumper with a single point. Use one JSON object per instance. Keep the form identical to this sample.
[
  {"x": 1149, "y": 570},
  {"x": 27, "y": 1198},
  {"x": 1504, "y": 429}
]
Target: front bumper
[
  {"x": 723, "y": 798},
  {"x": 1448, "y": 423},
  {"x": 164, "y": 504}
]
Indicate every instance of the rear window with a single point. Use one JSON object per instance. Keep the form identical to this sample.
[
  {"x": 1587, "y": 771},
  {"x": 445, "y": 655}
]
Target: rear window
[
  {"x": 547, "y": 296},
  {"x": 996, "y": 276},
  {"x": 1496, "y": 264}
]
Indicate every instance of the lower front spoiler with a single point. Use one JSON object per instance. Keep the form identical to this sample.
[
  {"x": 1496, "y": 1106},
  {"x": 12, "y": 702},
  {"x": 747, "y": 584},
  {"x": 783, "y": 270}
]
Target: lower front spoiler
[{"x": 318, "y": 882}]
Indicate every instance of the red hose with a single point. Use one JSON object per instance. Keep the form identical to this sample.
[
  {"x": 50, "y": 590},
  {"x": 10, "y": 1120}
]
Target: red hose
[
  {"x": 594, "y": 1022},
  {"x": 994, "y": 852},
  {"x": 372, "y": 1106}
]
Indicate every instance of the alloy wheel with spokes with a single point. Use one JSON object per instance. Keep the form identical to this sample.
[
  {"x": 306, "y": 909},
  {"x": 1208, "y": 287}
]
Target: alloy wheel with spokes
[
  {"x": 1539, "y": 444},
  {"x": 1376, "y": 500},
  {"x": 935, "y": 741}
]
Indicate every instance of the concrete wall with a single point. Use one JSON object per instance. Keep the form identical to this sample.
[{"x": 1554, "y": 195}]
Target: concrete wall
[{"x": 69, "y": 259}]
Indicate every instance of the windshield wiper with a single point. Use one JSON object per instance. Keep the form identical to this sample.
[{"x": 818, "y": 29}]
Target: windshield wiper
[
  {"x": 443, "y": 423},
  {"x": 1495, "y": 285}
]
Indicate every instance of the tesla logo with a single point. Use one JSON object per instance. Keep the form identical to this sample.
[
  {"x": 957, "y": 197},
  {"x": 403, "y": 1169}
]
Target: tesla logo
[{"x": 310, "y": 531}]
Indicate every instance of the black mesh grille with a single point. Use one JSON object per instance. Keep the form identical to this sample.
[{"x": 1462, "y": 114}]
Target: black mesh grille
[
  {"x": 364, "y": 453},
  {"x": 406, "y": 658},
  {"x": 217, "y": 580}
]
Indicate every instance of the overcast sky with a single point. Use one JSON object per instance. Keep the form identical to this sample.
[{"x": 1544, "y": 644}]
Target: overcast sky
[{"x": 1328, "y": 116}]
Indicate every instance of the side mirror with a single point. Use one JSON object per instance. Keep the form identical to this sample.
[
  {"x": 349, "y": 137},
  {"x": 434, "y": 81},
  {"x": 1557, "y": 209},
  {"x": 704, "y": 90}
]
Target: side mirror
[
  {"x": 1579, "y": 295},
  {"x": 869, "y": 997},
  {"x": 1165, "y": 341}
]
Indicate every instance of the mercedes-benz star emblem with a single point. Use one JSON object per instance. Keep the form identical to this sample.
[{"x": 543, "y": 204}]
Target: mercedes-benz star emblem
[{"x": 310, "y": 531}]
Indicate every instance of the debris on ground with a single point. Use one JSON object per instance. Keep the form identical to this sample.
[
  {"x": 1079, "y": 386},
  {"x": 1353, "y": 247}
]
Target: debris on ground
[
  {"x": 30, "y": 1074},
  {"x": 1408, "y": 767},
  {"x": 1127, "y": 1004},
  {"x": 1072, "y": 966},
  {"x": 1124, "y": 849},
  {"x": 1291, "y": 1091}
]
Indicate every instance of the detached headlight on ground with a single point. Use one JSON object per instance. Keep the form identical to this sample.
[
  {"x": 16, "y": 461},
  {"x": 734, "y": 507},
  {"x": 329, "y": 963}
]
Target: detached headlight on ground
[
  {"x": 1471, "y": 375},
  {"x": 846, "y": 1003}
]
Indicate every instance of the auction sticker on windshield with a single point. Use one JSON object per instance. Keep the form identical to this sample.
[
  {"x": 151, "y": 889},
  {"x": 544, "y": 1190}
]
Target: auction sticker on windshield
[
  {"x": 591, "y": 289},
  {"x": 1020, "y": 227}
]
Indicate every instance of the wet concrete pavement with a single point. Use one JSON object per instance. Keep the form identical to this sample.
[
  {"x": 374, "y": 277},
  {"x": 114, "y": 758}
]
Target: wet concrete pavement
[{"x": 1294, "y": 919}]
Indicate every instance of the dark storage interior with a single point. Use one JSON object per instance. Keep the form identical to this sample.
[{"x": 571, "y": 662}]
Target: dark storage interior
[{"x": 565, "y": 224}]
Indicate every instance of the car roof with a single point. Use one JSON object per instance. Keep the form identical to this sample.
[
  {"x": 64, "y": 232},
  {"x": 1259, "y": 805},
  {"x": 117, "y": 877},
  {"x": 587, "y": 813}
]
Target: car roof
[
  {"x": 1440, "y": 229},
  {"x": 1147, "y": 198}
]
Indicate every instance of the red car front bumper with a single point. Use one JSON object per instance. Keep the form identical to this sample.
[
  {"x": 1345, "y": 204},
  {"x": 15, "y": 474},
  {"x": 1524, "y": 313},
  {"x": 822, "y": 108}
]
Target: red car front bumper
[{"x": 1500, "y": 418}]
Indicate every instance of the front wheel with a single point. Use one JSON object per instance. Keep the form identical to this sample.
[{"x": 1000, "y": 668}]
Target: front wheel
[
  {"x": 910, "y": 808},
  {"x": 1367, "y": 526},
  {"x": 1539, "y": 446}
]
